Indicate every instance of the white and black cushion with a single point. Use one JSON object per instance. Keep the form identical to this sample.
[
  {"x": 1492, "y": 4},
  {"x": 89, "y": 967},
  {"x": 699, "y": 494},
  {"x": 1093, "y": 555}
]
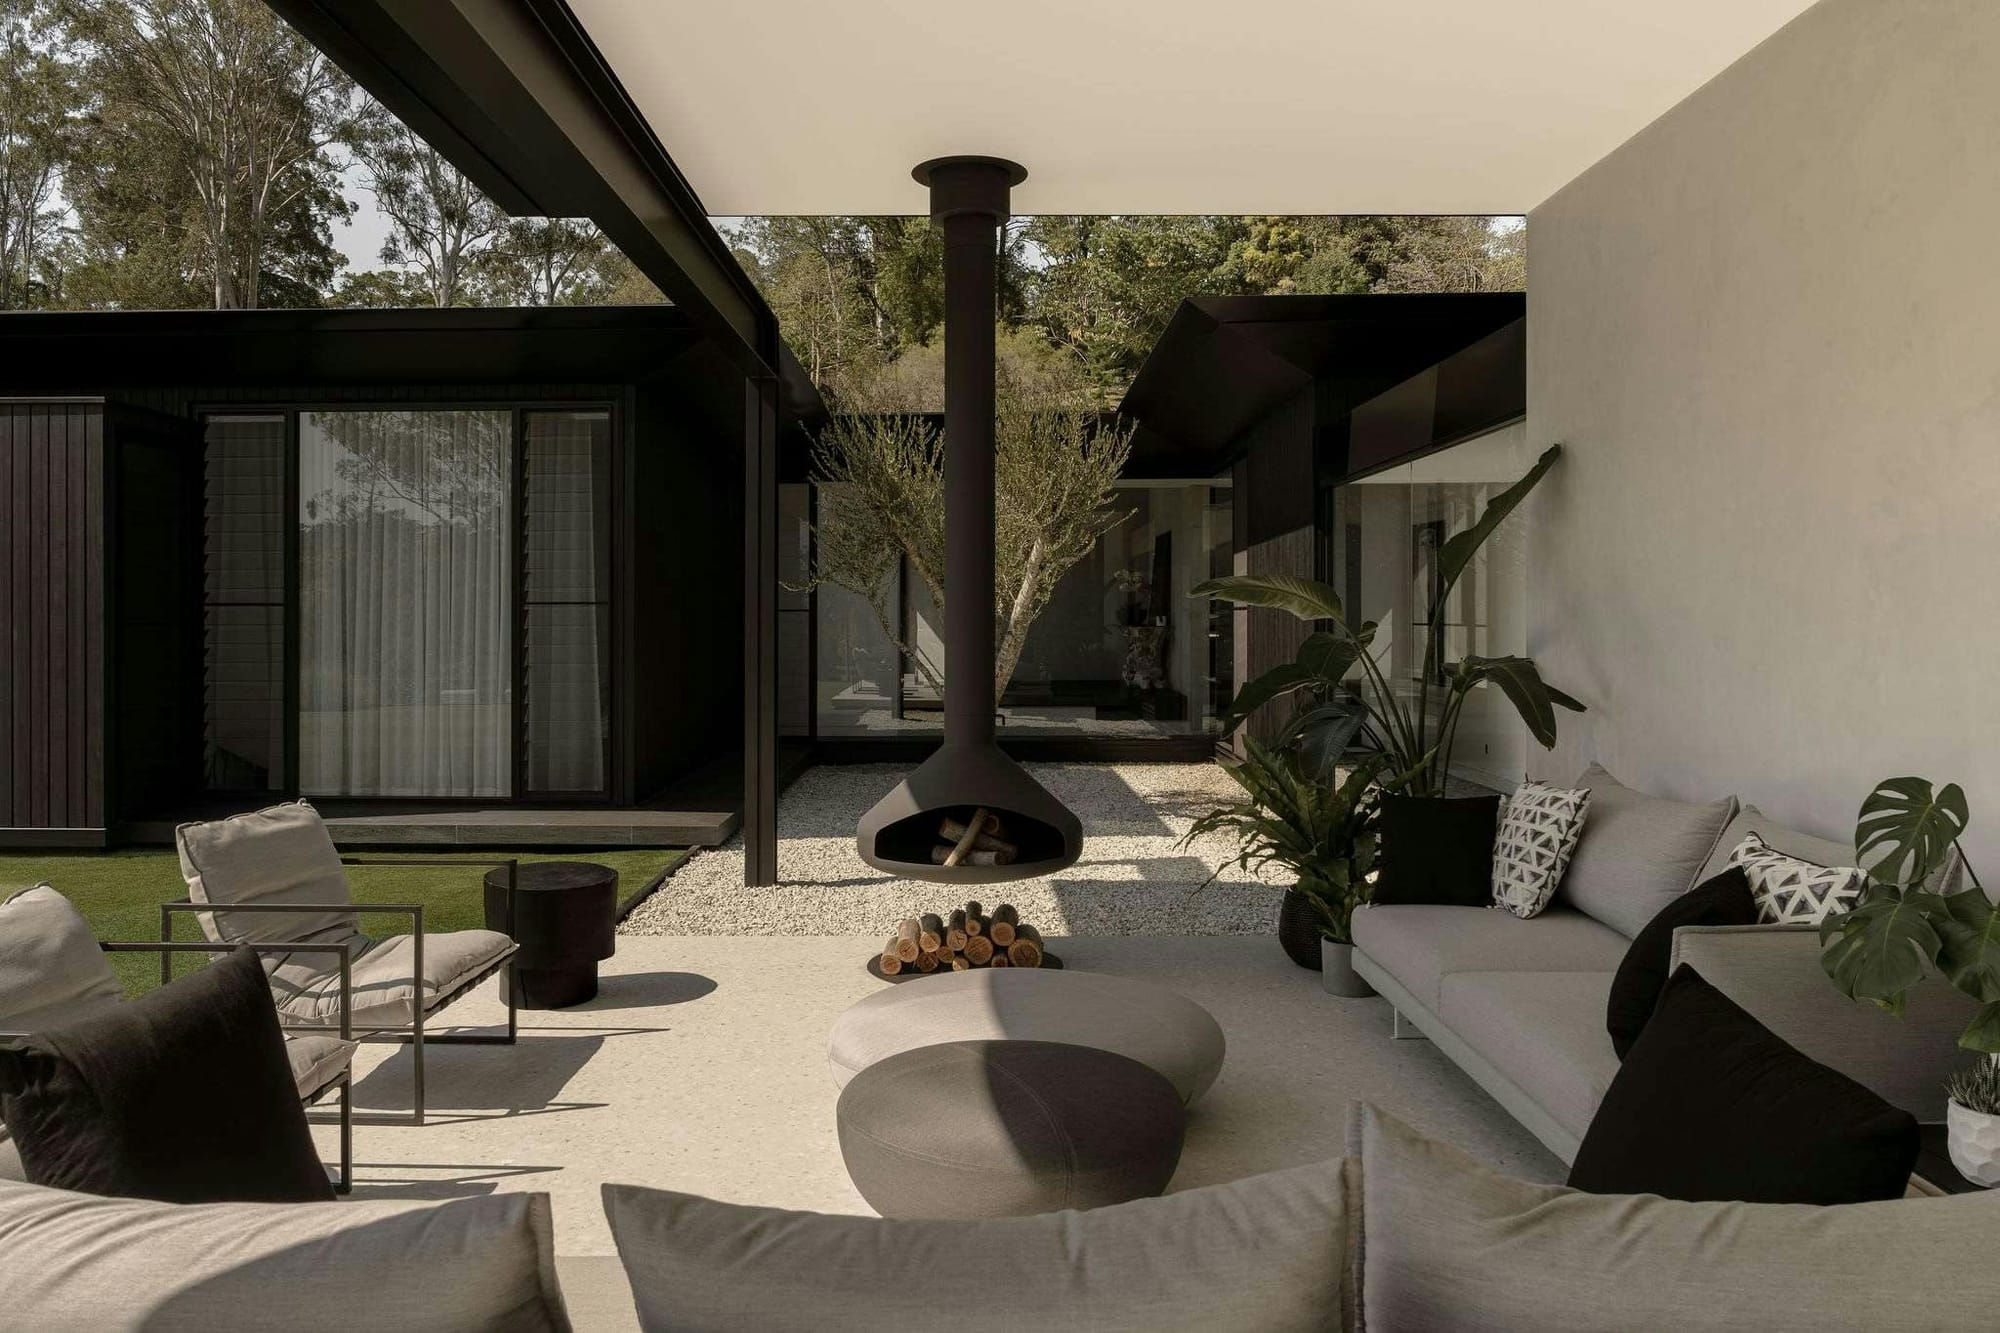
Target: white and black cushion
[
  {"x": 1792, "y": 890},
  {"x": 1532, "y": 846}
]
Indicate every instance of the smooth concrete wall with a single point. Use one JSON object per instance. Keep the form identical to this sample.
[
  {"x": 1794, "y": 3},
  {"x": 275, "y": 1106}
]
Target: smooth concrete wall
[{"x": 1767, "y": 329}]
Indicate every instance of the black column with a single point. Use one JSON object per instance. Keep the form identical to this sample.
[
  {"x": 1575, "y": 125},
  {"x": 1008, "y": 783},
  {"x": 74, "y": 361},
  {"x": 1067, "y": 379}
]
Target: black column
[{"x": 969, "y": 196}]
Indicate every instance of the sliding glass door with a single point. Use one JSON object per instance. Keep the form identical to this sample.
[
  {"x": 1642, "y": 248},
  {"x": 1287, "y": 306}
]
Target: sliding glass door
[{"x": 405, "y": 625}]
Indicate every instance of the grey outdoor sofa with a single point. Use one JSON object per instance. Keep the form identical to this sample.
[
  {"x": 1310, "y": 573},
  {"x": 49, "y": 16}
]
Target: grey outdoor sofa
[{"x": 1519, "y": 1005}]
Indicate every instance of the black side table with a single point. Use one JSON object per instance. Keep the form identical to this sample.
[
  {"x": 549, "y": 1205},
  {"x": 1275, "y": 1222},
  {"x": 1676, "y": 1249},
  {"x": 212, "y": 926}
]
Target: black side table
[{"x": 563, "y": 919}]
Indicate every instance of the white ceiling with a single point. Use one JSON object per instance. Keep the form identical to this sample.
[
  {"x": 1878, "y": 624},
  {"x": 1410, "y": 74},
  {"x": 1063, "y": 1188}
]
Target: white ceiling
[{"x": 1162, "y": 106}]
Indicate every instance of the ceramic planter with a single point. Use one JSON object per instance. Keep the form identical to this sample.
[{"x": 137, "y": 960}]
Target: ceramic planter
[
  {"x": 1337, "y": 972},
  {"x": 1973, "y": 1138}
]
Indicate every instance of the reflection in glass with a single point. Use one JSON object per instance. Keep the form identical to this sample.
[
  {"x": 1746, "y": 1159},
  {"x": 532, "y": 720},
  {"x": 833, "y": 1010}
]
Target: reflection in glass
[
  {"x": 243, "y": 598},
  {"x": 404, "y": 636},
  {"x": 566, "y": 591}
]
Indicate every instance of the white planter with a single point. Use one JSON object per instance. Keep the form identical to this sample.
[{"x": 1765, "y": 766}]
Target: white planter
[
  {"x": 1337, "y": 974},
  {"x": 1974, "y": 1140}
]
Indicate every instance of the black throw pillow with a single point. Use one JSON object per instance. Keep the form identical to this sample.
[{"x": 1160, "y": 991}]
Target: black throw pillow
[
  {"x": 1711, "y": 1105},
  {"x": 183, "y": 1095},
  {"x": 1635, "y": 990},
  {"x": 1437, "y": 849}
]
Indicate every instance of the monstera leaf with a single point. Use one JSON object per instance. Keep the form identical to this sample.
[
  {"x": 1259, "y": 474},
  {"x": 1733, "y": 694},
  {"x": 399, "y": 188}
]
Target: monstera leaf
[
  {"x": 1968, "y": 929},
  {"x": 1457, "y": 553},
  {"x": 1906, "y": 829},
  {"x": 1518, "y": 678},
  {"x": 1882, "y": 946},
  {"x": 1308, "y": 599},
  {"x": 1983, "y": 1032}
]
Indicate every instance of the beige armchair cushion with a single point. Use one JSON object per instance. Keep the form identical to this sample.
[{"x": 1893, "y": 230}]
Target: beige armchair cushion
[
  {"x": 316, "y": 1060},
  {"x": 384, "y": 991},
  {"x": 282, "y": 854},
  {"x": 51, "y": 970}
]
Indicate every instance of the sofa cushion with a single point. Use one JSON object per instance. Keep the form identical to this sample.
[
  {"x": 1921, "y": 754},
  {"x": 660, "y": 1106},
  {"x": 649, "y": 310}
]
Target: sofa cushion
[
  {"x": 1419, "y": 946},
  {"x": 1544, "y": 1033},
  {"x": 1453, "y": 1244},
  {"x": 1638, "y": 852},
  {"x": 1723, "y": 901},
  {"x": 1532, "y": 847},
  {"x": 316, "y": 1060},
  {"x": 281, "y": 854},
  {"x": 183, "y": 1095},
  {"x": 1710, "y": 1105},
  {"x": 1437, "y": 849},
  {"x": 1790, "y": 890},
  {"x": 51, "y": 969},
  {"x": 381, "y": 977},
  {"x": 1264, "y": 1253},
  {"x": 79, "y": 1262},
  {"x": 1749, "y": 819}
]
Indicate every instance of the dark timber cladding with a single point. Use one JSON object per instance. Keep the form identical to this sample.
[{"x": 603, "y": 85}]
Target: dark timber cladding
[{"x": 518, "y": 97}]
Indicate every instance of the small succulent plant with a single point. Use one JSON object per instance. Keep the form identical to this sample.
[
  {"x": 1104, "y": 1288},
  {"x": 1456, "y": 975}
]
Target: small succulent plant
[{"x": 1978, "y": 1088}]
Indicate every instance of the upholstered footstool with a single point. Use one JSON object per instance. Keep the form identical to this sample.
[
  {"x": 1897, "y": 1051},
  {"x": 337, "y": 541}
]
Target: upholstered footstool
[
  {"x": 1007, "y": 1128},
  {"x": 1166, "y": 1032}
]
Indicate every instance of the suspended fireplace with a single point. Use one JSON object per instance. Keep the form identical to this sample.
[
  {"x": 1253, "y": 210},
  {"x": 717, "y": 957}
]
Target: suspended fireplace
[{"x": 969, "y": 815}]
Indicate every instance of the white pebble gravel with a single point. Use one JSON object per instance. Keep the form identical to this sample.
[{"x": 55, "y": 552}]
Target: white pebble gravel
[{"x": 1132, "y": 879}]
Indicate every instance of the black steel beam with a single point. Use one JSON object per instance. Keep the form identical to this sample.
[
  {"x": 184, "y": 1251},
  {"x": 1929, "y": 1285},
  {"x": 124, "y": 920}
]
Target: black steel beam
[{"x": 760, "y": 632}]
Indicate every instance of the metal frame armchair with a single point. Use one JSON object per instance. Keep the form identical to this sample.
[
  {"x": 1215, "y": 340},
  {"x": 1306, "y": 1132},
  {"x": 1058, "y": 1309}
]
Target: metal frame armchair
[
  {"x": 281, "y": 862},
  {"x": 340, "y": 1076}
]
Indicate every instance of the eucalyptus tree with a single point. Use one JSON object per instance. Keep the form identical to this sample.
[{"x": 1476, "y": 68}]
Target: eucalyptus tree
[
  {"x": 41, "y": 100},
  {"x": 439, "y": 222}
]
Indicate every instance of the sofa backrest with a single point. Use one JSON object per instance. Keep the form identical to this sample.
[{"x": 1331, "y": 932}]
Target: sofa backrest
[{"x": 1638, "y": 852}]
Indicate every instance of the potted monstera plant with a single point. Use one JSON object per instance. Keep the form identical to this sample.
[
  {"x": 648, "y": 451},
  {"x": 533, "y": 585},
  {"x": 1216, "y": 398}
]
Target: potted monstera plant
[
  {"x": 1319, "y": 831},
  {"x": 1913, "y": 921}
]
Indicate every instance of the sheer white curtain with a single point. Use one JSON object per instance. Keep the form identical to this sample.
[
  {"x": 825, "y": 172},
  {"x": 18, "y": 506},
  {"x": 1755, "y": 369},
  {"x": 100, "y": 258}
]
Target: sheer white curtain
[{"x": 405, "y": 642}]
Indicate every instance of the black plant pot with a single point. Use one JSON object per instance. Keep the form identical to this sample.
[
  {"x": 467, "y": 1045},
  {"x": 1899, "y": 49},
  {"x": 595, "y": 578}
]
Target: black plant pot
[{"x": 1298, "y": 930}]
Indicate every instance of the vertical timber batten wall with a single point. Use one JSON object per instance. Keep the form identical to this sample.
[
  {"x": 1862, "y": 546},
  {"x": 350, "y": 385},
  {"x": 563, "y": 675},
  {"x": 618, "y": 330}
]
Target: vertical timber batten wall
[{"x": 52, "y": 601}]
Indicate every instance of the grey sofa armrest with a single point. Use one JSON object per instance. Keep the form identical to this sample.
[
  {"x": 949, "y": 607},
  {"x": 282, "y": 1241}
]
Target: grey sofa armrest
[{"x": 1774, "y": 973}]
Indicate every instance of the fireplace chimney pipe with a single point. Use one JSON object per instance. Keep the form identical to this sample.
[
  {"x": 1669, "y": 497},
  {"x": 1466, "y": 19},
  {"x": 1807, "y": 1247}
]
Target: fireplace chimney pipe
[{"x": 969, "y": 198}]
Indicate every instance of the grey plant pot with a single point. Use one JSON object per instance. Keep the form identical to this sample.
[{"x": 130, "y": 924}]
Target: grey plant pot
[{"x": 1337, "y": 972}]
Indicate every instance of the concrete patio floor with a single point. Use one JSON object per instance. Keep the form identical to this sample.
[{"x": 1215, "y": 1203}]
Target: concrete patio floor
[{"x": 701, "y": 1066}]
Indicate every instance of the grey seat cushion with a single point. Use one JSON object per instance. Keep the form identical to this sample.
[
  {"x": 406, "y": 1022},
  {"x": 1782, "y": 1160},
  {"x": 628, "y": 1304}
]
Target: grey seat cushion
[
  {"x": 1266, "y": 1254},
  {"x": 1007, "y": 1128},
  {"x": 1421, "y": 945},
  {"x": 384, "y": 991},
  {"x": 1452, "y": 1244},
  {"x": 316, "y": 1060},
  {"x": 1165, "y": 1031},
  {"x": 1543, "y": 1031},
  {"x": 51, "y": 969},
  {"x": 281, "y": 854},
  {"x": 1638, "y": 852},
  {"x": 76, "y": 1261}
]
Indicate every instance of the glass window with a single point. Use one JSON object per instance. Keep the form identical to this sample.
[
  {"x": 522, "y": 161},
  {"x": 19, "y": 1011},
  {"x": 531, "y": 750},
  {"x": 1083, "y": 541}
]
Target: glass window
[
  {"x": 243, "y": 598},
  {"x": 405, "y": 637},
  {"x": 567, "y": 594}
]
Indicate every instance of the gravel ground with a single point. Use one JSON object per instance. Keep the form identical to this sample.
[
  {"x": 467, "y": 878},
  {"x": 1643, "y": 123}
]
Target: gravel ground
[{"x": 1133, "y": 877}]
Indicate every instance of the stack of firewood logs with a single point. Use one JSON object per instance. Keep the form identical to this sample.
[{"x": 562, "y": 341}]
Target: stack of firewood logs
[
  {"x": 966, "y": 939},
  {"x": 978, "y": 841}
]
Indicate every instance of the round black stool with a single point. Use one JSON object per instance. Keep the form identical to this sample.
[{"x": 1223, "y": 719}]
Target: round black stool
[{"x": 563, "y": 917}]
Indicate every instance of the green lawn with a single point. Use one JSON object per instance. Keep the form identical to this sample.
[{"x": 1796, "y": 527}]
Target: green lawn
[{"x": 120, "y": 892}]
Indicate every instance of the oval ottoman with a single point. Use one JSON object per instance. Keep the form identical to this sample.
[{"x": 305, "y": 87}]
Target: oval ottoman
[
  {"x": 1166, "y": 1032},
  {"x": 1007, "y": 1128}
]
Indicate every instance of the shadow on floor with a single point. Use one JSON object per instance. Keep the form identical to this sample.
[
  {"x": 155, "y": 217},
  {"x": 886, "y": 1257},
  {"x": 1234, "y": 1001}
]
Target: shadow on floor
[
  {"x": 452, "y": 1180},
  {"x": 478, "y": 1082},
  {"x": 646, "y": 989}
]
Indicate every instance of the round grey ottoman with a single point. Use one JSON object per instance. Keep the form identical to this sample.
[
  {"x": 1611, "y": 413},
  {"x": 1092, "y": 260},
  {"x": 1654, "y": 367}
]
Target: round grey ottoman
[
  {"x": 1006, "y": 1129},
  {"x": 1166, "y": 1032}
]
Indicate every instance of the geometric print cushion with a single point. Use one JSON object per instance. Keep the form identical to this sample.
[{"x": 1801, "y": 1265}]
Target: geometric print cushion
[
  {"x": 1532, "y": 846},
  {"x": 1794, "y": 891}
]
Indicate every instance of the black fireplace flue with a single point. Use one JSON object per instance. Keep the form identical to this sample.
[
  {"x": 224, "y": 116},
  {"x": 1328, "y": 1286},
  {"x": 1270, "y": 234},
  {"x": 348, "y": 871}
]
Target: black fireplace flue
[{"x": 929, "y": 817}]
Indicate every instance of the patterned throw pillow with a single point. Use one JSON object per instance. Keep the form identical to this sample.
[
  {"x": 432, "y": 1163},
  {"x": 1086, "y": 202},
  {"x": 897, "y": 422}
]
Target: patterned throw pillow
[
  {"x": 1531, "y": 849},
  {"x": 1793, "y": 891}
]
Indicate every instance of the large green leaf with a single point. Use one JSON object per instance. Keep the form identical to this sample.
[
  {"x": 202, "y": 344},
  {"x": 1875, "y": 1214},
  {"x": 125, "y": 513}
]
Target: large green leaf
[
  {"x": 1883, "y": 946},
  {"x": 1457, "y": 553},
  {"x": 1968, "y": 929},
  {"x": 1279, "y": 681},
  {"x": 1322, "y": 734},
  {"x": 1522, "y": 683},
  {"x": 1308, "y": 599},
  {"x": 1983, "y": 1032},
  {"x": 1906, "y": 829},
  {"x": 1331, "y": 655}
]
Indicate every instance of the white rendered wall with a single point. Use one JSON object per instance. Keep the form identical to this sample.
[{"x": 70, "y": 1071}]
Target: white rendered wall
[{"x": 1768, "y": 331}]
